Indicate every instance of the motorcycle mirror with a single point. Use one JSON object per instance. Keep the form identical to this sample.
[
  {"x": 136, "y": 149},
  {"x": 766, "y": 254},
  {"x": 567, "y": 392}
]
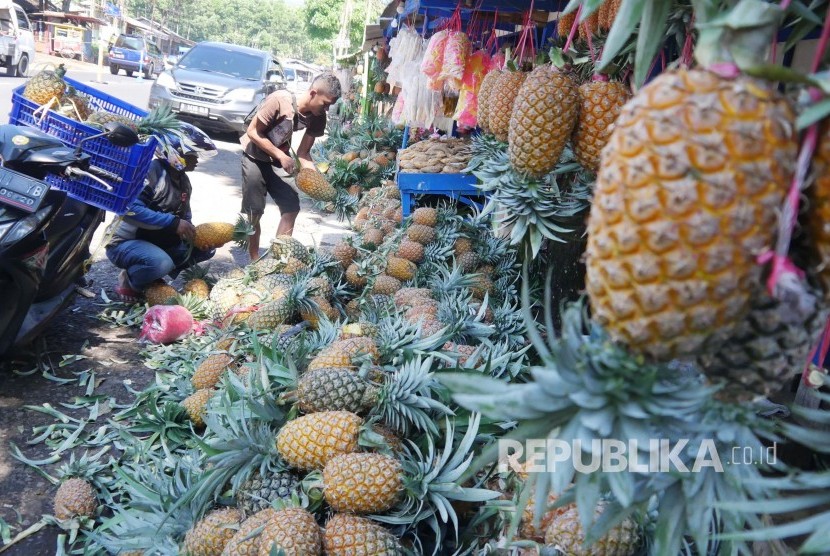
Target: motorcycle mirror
[{"x": 121, "y": 135}]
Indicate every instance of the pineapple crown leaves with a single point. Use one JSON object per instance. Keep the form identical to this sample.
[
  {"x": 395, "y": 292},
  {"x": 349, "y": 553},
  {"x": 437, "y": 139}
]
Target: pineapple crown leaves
[
  {"x": 407, "y": 399},
  {"x": 432, "y": 480}
]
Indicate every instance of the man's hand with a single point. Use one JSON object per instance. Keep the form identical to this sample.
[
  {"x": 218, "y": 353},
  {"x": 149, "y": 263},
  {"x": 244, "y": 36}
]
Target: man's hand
[
  {"x": 186, "y": 230},
  {"x": 286, "y": 162}
]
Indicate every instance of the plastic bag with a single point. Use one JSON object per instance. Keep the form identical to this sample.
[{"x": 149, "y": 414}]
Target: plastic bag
[
  {"x": 466, "y": 112},
  {"x": 456, "y": 52},
  {"x": 407, "y": 46},
  {"x": 434, "y": 57},
  {"x": 397, "y": 110},
  {"x": 164, "y": 324}
]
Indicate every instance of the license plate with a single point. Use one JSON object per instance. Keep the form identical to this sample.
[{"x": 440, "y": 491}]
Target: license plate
[
  {"x": 193, "y": 109},
  {"x": 21, "y": 191}
]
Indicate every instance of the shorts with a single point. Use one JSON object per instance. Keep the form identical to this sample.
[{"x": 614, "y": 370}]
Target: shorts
[{"x": 259, "y": 178}]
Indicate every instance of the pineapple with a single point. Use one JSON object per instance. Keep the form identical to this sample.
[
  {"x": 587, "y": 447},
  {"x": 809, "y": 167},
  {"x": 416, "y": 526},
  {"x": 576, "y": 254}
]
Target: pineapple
[
  {"x": 601, "y": 102},
  {"x": 485, "y": 92},
  {"x": 74, "y": 105},
  {"x": 258, "y": 491},
  {"x": 818, "y": 220},
  {"x": 210, "y": 534},
  {"x": 322, "y": 285},
  {"x": 245, "y": 542},
  {"x": 198, "y": 287},
  {"x": 321, "y": 307},
  {"x": 544, "y": 115},
  {"x": 421, "y": 234},
  {"x": 294, "y": 266},
  {"x": 196, "y": 406},
  {"x": 272, "y": 313},
  {"x": 412, "y": 296},
  {"x": 216, "y": 234},
  {"x": 284, "y": 246},
  {"x": 351, "y": 535},
  {"x": 462, "y": 245},
  {"x": 467, "y": 262},
  {"x": 355, "y": 276},
  {"x": 210, "y": 370},
  {"x": 344, "y": 252},
  {"x": 314, "y": 184},
  {"x": 411, "y": 250},
  {"x": 372, "y": 237},
  {"x": 46, "y": 86},
  {"x": 160, "y": 293},
  {"x": 386, "y": 285},
  {"x": 342, "y": 353},
  {"x": 160, "y": 122},
  {"x": 589, "y": 26},
  {"x": 681, "y": 211},
  {"x": 401, "y": 269},
  {"x": 290, "y": 531},
  {"x": 566, "y": 534},
  {"x": 425, "y": 216},
  {"x": 100, "y": 118},
  {"x": 310, "y": 441},
  {"x": 608, "y": 13},
  {"x": 501, "y": 100},
  {"x": 334, "y": 389},
  {"x": 564, "y": 24},
  {"x": 362, "y": 482},
  {"x": 75, "y": 497}
]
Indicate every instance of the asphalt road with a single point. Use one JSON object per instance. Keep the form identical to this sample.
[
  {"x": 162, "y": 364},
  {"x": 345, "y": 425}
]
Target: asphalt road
[{"x": 217, "y": 193}]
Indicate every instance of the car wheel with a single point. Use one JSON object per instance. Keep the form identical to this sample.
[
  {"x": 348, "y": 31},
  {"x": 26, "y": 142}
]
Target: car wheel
[
  {"x": 113, "y": 69},
  {"x": 22, "y": 66},
  {"x": 148, "y": 72},
  {"x": 129, "y": 73}
]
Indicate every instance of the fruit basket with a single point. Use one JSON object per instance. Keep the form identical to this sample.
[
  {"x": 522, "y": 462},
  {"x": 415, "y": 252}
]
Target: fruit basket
[
  {"x": 130, "y": 163},
  {"x": 460, "y": 187}
]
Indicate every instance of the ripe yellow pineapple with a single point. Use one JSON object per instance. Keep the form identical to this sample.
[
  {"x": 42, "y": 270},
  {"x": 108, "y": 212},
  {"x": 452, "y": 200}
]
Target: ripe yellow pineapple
[
  {"x": 601, "y": 102},
  {"x": 543, "y": 118},
  {"x": 589, "y": 26},
  {"x": 425, "y": 216},
  {"x": 197, "y": 287},
  {"x": 314, "y": 184},
  {"x": 210, "y": 370},
  {"x": 502, "y": 97},
  {"x": 292, "y": 531},
  {"x": 421, "y": 234},
  {"x": 344, "y": 252},
  {"x": 159, "y": 293},
  {"x": 484, "y": 99},
  {"x": 46, "y": 85},
  {"x": 351, "y": 535},
  {"x": 354, "y": 276},
  {"x": 412, "y": 296},
  {"x": 386, "y": 285},
  {"x": 566, "y": 534},
  {"x": 75, "y": 497},
  {"x": 196, "y": 405},
  {"x": 310, "y": 441},
  {"x": 210, "y": 534},
  {"x": 212, "y": 235},
  {"x": 686, "y": 198},
  {"x": 244, "y": 542},
  {"x": 362, "y": 483},
  {"x": 400, "y": 268},
  {"x": 564, "y": 24},
  {"x": 372, "y": 237},
  {"x": 341, "y": 353},
  {"x": 411, "y": 250},
  {"x": 608, "y": 13}
]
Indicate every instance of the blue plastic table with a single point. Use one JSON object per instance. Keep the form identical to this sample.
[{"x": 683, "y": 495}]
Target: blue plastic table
[{"x": 457, "y": 186}]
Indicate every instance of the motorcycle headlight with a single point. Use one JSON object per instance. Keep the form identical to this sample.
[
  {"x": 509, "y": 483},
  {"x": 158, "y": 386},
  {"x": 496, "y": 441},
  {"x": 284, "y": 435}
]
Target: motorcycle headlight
[
  {"x": 242, "y": 95},
  {"x": 25, "y": 226},
  {"x": 165, "y": 80}
]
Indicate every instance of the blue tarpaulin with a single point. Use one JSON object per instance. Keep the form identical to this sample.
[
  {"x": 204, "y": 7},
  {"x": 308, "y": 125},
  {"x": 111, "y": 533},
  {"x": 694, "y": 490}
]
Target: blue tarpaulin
[{"x": 503, "y": 6}]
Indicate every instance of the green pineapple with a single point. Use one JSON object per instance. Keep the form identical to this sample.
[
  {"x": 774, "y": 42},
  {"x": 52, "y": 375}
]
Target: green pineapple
[{"x": 258, "y": 491}]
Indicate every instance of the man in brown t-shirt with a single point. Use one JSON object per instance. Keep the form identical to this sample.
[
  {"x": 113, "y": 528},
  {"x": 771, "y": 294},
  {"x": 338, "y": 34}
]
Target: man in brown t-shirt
[{"x": 265, "y": 146}]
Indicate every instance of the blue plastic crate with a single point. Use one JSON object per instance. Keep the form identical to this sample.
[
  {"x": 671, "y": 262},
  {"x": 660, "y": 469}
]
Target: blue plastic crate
[
  {"x": 130, "y": 163},
  {"x": 460, "y": 187}
]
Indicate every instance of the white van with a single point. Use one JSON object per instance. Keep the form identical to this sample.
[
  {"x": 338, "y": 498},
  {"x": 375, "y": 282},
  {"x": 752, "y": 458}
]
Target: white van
[{"x": 17, "y": 42}]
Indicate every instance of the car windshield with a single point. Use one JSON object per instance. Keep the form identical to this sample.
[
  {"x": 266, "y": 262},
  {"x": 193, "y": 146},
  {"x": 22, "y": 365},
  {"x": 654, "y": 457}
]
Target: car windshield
[
  {"x": 225, "y": 61},
  {"x": 133, "y": 43}
]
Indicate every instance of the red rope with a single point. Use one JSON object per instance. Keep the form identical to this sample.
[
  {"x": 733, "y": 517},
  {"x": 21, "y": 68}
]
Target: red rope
[{"x": 574, "y": 27}]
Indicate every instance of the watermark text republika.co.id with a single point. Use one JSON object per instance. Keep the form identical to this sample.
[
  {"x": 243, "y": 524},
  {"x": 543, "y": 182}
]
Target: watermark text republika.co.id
[{"x": 656, "y": 455}]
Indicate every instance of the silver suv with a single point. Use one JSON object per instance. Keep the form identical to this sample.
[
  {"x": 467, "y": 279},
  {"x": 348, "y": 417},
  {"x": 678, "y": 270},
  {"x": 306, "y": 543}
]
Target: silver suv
[{"x": 216, "y": 85}]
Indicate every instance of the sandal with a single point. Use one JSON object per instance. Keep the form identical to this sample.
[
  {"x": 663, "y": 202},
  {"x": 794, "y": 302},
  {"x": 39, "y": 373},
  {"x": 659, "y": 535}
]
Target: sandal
[{"x": 124, "y": 290}]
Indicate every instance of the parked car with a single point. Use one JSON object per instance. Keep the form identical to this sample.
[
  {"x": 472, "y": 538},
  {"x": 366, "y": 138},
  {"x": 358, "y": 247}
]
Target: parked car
[
  {"x": 17, "y": 42},
  {"x": 298, "y": 78},
  {"x": 216, "y": 85},
  {"x": 135, "y": 53}
]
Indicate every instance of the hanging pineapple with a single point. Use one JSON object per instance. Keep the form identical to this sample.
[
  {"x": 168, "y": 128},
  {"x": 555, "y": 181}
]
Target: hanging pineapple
[
  {"x": 544, "y": 115},
  {"x": 601, "y": 101},
  {"x": 686, "y": 198}
]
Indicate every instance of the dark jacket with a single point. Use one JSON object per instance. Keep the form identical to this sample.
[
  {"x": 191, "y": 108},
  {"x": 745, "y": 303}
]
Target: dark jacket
[{"x": 154, "y": 216}]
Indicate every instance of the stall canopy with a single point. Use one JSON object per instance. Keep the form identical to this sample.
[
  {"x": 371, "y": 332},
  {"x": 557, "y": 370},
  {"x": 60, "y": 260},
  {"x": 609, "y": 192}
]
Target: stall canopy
[{"x": 436, "y": 8}]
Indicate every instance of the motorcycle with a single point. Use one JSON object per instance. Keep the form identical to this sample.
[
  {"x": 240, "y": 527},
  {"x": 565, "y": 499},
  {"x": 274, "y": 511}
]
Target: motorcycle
[{"x": 44, "y": 234}]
